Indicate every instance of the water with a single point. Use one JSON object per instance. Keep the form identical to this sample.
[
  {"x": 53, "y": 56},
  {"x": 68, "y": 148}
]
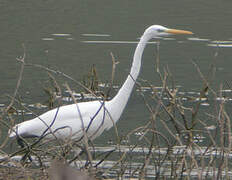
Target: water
[
  {"x": 71, "y": 36},
  {"x": 133, "y": 169}
]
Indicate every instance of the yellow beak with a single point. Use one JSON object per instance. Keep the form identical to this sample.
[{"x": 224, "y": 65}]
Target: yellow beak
[{"x": 176, "y": 31}]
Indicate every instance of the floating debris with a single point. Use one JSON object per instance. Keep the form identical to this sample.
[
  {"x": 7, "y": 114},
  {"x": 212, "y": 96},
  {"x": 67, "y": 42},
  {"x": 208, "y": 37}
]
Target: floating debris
[
  {"x": 21, "y": 112},
  {"x": 184, "y": 99},
  {"x": 124, "y": 141},
  {"x": 193, "y": 92},
  {"x": 220, "y": 45},
  {"x": 107, "y": 85},
  {"x": 97, "y": 35},
  {"x": 198, "y": 136},
  {"x": 70, "y": 39},
  {"x": 212, "y": 127},
  {"x": 70, "y": 99},
  {"x": 201, "y": 99},
  {"x": 81, "y": 96},
  {"x": 166, "y": 98},
  {"x": 221, "y": 99},
  {"x": 181, "y": 93},
  {"x": 110, "y": 141},
  {"x": 91, "y": 96},
  {"x": 157, "y": 87},
  {"x": 61, "y": 34},
  {"x": 139, "y": 133},
  {"x": 226, "y": 90},
  {"x": 197, "y": 39},
  {"x": 205, "y": 104},
  {"x": 221, "y": 42},
  {"x": 85, "y": 95},
  {"x": 168, "y": 39},
  {"x": 103, "y": 85},
  {"x": 37, "y": 105},
  {"x": 75, "y": 94},
  {"x": 115, "y": 87},
  {"x": 143, "y": 89},
  {"x": 48, "y": 39}
]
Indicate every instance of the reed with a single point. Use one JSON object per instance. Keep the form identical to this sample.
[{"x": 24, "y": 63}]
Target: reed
[{"x": 179, "y": 140}]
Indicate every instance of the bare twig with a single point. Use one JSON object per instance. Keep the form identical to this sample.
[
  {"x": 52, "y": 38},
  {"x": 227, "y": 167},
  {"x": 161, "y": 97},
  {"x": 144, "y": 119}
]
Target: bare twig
[{"x": 22, "y": 60}]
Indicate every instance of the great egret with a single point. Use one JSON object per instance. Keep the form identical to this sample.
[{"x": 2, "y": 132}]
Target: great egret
[{"x": 70, "y": 121}]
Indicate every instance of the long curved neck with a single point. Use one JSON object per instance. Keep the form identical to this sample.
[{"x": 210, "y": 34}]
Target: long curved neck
[{"x": 121, "y": 98}]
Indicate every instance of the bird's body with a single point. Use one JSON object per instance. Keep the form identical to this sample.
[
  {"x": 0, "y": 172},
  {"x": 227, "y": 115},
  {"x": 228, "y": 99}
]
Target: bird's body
[
  {"x": 66, "y": 121},
  {"x": 94, "y": 117}
]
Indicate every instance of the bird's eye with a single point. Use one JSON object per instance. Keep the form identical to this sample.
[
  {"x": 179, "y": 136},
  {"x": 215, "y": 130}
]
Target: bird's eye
[{"x": 160, "y": 30}]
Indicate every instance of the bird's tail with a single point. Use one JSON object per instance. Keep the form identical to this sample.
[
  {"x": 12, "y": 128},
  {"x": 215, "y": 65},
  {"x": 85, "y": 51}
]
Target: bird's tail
[{"x": 12, "y": 132}]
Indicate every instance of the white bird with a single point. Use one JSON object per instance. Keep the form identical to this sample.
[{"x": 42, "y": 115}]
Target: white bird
[{"x": 70, "y": 121}]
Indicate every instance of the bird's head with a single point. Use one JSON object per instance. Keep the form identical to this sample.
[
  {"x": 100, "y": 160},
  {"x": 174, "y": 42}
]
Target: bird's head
[{"x": 156, "y": 31}]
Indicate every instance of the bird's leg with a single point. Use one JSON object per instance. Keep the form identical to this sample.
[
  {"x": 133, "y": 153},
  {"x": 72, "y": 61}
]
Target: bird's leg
[{"x": 21, "y": 143}]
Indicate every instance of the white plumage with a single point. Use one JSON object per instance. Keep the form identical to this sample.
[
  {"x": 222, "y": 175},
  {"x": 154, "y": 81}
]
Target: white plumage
[{"x": 69, "y": 121}]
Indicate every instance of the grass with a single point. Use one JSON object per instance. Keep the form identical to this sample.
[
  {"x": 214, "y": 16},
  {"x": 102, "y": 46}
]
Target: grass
[{"x": 167, "y": 146}]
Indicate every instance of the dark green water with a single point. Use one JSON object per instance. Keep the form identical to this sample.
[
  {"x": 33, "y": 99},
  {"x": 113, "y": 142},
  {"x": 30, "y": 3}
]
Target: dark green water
[{"x": 28, "y": 23}]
